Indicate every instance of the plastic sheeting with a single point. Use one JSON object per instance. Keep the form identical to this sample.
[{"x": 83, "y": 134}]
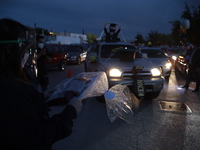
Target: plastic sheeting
[
  {"x": 85, "y": 85},
  {"x": 119, "y": 103},
  {"x": 119, "y": 99}
]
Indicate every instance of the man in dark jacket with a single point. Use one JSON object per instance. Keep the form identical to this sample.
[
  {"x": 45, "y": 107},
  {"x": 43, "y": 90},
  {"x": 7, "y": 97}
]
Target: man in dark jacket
[
  {"x": 194, "y": 69},
  {"x": 25, "y": 124},
  {"x": 42, "y": 57}
]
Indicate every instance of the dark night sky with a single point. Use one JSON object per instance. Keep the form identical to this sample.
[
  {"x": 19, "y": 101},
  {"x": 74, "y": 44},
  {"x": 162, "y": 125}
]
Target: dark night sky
[{"x": 134, "y": 16}]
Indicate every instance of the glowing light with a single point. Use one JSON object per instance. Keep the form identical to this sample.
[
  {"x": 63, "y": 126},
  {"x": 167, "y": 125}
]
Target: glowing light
[{"x": 115, "y": 73}]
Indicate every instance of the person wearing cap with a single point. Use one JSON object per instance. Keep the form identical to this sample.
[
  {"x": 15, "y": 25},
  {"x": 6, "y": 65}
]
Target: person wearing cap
[
  {"x": 25, "y": 123},
  {"x": 194, "y": 69},
  {"x": 42, "y": 57}
]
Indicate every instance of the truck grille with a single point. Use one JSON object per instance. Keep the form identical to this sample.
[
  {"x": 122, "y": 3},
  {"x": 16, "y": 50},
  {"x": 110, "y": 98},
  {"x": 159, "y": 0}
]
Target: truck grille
[{"x": 129, "y": 74}]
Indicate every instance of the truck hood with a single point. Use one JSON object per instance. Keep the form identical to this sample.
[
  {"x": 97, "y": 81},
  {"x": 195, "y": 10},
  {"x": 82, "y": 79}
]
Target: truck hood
[
  {"x": 159, "y": 61},
  {"x": 115, "y": 63}
]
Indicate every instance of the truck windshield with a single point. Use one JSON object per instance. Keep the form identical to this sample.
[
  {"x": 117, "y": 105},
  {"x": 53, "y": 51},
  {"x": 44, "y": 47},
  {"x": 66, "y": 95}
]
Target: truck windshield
[
  {"x": 154, "y": 53},
  {"x": 115, "y": 51},
  {"x": 73, "y": 48}
]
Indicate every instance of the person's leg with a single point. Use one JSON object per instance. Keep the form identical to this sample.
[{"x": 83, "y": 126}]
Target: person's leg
[
  {"x": 34, "y": 82},
  {"x": 44, "y": 83},
  {"x": 197, "y": 80},
  {"x": 188, "y": 79}
]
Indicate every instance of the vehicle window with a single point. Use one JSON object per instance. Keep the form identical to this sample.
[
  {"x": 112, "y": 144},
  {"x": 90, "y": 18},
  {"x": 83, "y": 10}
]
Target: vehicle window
[
  {"x": 62, "y": 49},
  {"x": 153, "y": 53},
  {"x": 49, "y": 50},
  {"x": 176, "y": 51},
  {"x": 138, "y": 55},
  {"x": 58, "y": 50},
  {"x": 71, "y": 48},
  {"x": 94, "y": 48},
  {"x": 127, "y": 56},
  {"x": 114, "y": 51},
  {"x": 84, "y": 46}
]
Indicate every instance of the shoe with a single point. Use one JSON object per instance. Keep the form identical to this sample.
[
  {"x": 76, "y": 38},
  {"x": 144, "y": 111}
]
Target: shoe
[
  {"x": 195, "y": 90},
  {"x": 186, "y": 87}
]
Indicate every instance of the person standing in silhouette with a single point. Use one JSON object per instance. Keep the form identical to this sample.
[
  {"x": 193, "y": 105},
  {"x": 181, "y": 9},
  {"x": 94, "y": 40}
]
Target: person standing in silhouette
[{"x": 112, "y": 35}]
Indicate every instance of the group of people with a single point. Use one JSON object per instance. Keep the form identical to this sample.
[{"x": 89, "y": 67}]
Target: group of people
[{"x": 25, "y": 123}]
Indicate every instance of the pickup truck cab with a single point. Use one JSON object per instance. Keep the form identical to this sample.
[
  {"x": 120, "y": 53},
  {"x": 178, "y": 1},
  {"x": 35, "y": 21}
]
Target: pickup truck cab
[{"x": 118, "y": 59}]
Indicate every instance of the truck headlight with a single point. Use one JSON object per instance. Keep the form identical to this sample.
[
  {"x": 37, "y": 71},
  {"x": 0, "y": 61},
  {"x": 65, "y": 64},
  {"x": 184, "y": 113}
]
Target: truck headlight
[
  {"x": 174, "y": 57},
  {"x": 115, "y": 73},
  {"x": 168, "y": 65},
  {"x": 155, "y": 72}
]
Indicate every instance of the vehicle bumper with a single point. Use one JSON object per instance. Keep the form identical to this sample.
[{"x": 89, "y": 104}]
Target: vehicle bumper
[
  {"x": 72, "y": 60},
  {"x": 166, "y": 72},
  {"x": 151, "y": 84}
]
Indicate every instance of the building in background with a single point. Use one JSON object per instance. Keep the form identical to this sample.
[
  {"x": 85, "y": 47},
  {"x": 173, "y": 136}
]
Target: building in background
[{"x": 65, "y": 38}]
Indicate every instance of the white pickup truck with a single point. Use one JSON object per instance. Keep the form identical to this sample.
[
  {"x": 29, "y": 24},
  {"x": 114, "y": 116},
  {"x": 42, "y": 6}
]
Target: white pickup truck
[{"x": 118, "y": 59}]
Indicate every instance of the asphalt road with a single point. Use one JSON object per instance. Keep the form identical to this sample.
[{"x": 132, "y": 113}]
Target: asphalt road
[{"x": 153, "y": 128}]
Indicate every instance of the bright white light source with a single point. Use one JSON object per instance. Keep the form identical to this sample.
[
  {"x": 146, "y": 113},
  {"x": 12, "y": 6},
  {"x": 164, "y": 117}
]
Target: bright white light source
[
  {"x": 174, "y": 57},
  {"x": 155, "y": 72},
  {"x": 168, "y": 65},
  {"x": 115, "y": 73}
]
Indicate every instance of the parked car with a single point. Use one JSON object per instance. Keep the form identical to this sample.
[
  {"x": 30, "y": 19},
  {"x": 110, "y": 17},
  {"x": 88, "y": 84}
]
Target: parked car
[
  {"x": 77, "y": 53},
  {"x": 117, "y": 61},
  {"x": 158, "y": 57},
  {"x": 59, "y": 57},
  {"x": 173, "y": 53},
  {"x": 182, "y": 64}
]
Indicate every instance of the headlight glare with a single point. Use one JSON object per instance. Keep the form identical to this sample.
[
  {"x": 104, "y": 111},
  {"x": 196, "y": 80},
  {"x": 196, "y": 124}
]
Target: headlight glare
[
  {"x": 168, "y": 65},
  {"x": 174, "y": 57},
  {"x": 115, "y": 73},
  {"x": 155, "y": 72}
]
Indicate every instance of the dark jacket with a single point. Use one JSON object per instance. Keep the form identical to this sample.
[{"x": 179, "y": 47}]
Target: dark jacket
[
  {"x": 195, "y": 59},
  {"x": 41, "y": 65},
  {"x": 113, "y": 37},
  {"x": 25, "y": 123}
]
